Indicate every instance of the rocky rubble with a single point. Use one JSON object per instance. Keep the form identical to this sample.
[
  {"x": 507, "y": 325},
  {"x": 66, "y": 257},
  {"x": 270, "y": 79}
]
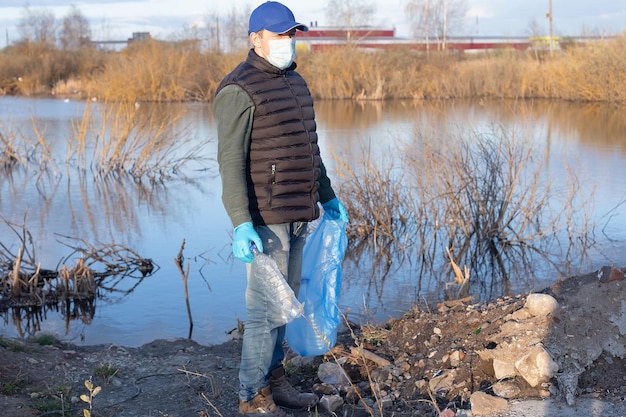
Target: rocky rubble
[{"x": 478, "y": 357}]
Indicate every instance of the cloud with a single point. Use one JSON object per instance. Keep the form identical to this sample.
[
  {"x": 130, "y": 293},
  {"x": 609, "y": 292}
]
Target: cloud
[{"x": 57, "y": 3}]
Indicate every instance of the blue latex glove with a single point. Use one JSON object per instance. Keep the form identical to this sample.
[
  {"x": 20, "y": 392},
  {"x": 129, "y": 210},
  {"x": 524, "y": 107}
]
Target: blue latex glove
[
  {"x": 243, "y": 236},
  {"x": 336, "y": 210}
]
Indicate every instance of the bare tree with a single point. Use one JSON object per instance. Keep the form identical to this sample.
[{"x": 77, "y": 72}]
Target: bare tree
[
  {"x": 233, "y": 30},
  {"x": 213, "y": 32},
  {"x": 75, "y": 30},
  {"x": 38, "y": 26},
  {"x": 436, "y": 19},
  {"x": 350, "y": 14},
  {"x": 534, "y": 28}
]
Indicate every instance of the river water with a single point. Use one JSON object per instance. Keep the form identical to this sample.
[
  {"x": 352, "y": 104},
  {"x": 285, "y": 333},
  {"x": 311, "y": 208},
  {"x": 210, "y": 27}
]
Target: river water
[{"x": 61, "y": 210}]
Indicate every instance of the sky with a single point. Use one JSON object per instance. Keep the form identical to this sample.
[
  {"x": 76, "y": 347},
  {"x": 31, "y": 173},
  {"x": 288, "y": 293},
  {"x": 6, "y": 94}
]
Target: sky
[{"x": 118, "y": 19}]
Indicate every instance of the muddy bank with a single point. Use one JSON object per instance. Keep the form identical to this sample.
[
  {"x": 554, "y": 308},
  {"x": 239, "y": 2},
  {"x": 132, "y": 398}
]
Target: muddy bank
[{"x": 422, "y": 364}]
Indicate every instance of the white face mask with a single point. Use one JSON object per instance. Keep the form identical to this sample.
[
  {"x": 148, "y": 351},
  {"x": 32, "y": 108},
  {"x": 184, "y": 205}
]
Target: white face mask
[{"x": 282, "y": 52}]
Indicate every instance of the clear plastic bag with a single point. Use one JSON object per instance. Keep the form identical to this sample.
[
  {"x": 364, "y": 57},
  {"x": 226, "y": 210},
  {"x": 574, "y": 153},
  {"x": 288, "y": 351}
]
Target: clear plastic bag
[
  {"x": 315, "y": 332},
  {"x": 275, "y": 286}
]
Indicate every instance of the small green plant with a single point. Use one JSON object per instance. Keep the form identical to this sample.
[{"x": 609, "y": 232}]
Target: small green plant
[
  {"x": 10, "y": 387},
  {"x": 304, "y": 371},
  {"x": 61, "y": 390},
  {"x": 93, "y": 391},
  {"x": 106, "y": 372},
  {"x": 46, "y": 339},
  {"x": 51, "y": 406}
]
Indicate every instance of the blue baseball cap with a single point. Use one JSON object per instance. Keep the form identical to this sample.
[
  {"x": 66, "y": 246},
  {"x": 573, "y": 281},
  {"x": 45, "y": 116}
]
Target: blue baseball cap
[{"x": 275, "y": 17}]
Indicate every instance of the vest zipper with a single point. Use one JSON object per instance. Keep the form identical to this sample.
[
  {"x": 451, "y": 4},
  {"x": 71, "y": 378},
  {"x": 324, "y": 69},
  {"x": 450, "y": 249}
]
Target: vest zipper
[{"x": 272, "y": 182}]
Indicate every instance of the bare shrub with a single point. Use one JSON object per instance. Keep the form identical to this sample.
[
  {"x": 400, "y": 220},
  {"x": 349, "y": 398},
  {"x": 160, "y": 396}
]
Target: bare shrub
[{"x": 484, "y": 196}]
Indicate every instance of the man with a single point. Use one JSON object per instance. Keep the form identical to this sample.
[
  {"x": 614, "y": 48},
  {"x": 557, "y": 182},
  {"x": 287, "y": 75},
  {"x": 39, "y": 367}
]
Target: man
[{"x": 273, "y": 179}]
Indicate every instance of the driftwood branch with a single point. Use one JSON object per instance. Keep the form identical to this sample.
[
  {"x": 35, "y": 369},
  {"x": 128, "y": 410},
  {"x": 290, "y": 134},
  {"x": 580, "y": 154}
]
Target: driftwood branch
[
  {"x": 23, "y": 282},
  {"x": 185, "y": 275},
  {"x": 366, "y": 354}
]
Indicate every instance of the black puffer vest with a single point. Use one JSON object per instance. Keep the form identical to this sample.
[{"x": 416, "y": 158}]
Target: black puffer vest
[{"x": 284, "y": 161}]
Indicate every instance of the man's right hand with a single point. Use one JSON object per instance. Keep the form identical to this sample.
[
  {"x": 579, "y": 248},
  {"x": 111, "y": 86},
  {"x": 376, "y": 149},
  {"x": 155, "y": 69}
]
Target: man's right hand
[{"x": 243, "y": 236}]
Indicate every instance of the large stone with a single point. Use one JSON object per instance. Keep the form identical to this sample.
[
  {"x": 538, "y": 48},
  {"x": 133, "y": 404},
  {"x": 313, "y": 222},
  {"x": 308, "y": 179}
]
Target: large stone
[
  {"x": 536, "y": 366},
  {"x": 506, "y": 389},
  {"x": 541, "y": 304},
  {"x": 443, "y": 383},
  {"x": 333, "y": 374},
  {"x": 331, "y": 402},
  {"x": 485, "y": 404},
  {"x": 503, "y": 368},
  {"x": 610, "y": 273}
]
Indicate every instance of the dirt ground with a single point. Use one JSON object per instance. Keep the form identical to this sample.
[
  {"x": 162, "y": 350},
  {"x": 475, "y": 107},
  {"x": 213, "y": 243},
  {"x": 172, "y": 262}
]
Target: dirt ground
[{"x": 177, "y": 378}]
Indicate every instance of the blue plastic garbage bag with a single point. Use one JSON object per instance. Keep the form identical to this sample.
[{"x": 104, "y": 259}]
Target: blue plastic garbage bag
[{"x": 315, "y": 332}]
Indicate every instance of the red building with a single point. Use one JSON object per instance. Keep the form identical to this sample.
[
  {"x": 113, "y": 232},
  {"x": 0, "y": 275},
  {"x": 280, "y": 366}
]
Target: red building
[{"x": 317, "y": 39}]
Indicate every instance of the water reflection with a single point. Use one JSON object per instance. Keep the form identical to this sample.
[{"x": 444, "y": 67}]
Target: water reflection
[
  {"x": 102, "y": 194},
  {"x": 587, "y": 123},
  {"x": 153, "y": 218},
  {"x": 29, "y": 321},
  {"x": 571, "y": 144}
]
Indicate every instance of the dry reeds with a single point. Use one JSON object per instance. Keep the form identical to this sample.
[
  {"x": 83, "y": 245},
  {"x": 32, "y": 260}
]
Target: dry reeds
[
  {"x": 28, "y": 291},
  {"x": 143, "y": 141},
  {"x": 10, "y": 156},
  {"x": 33, "y": 69},
  {"x": 140, "y": 140},
  {"x": 594, "y": 72},
  {"x": 158, "y": 71},
  {"x": 15, "y": 151}
]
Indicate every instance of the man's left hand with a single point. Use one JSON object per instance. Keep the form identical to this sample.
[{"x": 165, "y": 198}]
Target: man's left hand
[{"x": 336, "y": 210}]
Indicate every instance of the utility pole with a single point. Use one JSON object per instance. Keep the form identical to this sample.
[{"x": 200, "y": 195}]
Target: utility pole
[
  {"x": 445, "y": 23},
  {"x": 549, "y": 16}
]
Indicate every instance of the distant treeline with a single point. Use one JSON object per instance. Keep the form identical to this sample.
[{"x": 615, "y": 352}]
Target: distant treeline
[{"x": 155, "y": 70}]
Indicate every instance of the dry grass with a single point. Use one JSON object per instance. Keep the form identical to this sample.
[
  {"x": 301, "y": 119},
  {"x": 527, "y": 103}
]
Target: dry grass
[
  {"x": 32, "y": 69},
  {"x": 175, "y": 71},
  {"x": 596, "y": 72},
  {"x": 158, "y": 71}
]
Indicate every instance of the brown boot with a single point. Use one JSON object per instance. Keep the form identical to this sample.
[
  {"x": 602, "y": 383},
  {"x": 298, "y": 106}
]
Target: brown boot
[
  {"x": 261, "y": 406},
  {"x": 287, "y": 396}
]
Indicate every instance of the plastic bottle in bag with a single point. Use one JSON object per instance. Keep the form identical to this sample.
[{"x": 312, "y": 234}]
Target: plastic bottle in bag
[{"x": 275, "y": 286}]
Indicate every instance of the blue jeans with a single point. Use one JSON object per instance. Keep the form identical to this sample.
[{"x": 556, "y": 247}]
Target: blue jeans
[{"x": 262, "y": 350}]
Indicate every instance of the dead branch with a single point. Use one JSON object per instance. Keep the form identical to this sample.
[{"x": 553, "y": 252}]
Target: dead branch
[{"x": 185, "y": 275}]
